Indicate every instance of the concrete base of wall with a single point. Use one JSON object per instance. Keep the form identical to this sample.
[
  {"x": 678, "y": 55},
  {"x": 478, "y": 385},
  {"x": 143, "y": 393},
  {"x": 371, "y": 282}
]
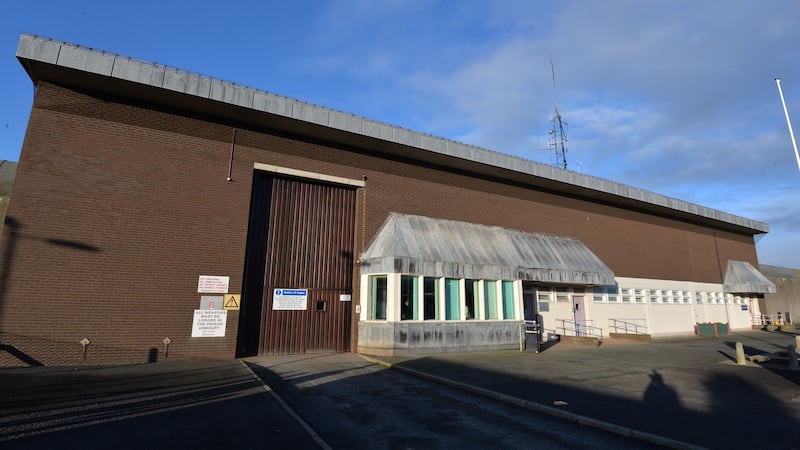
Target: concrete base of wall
[
  {"x": 631, "y": 337},
  {"x": 582, "y": 340},
  {"x": 414, "y": 338}
]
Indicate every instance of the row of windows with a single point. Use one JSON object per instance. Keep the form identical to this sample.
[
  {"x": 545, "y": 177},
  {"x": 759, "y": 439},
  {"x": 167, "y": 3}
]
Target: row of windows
[
  {"x": 612, "y": 294},
  {"x": 559, "y": 294},
  {"x": 432, "y": 298}
]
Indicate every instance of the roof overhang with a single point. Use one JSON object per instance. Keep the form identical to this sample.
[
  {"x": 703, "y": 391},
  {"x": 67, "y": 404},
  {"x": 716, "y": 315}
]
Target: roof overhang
[
  {"x": 123, "y": 77},
  {"x": 418, "y": 245},
  {"x": 743, "y": 278}
]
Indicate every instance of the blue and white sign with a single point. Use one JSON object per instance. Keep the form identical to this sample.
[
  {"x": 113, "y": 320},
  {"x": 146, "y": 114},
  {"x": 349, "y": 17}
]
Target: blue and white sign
[{"x": 290, "y": 299}]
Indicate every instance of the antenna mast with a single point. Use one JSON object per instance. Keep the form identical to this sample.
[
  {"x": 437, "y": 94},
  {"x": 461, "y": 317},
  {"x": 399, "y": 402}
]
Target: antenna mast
[
  {"x": 788, "y": 122},
  {"x": 558, "y": 138}
]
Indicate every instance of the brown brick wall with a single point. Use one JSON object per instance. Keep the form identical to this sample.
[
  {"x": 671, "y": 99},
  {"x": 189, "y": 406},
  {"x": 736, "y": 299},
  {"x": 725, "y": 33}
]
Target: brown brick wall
[{"x": 119, "y": 208}]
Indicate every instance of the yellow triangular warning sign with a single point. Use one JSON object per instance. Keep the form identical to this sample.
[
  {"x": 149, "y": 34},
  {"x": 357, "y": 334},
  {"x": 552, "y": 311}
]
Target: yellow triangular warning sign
[{"x": 232, "y": 301}]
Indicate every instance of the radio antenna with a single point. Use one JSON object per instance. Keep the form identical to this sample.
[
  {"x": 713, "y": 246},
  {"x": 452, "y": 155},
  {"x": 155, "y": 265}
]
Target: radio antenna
[
  {"x": 788, "y": 122},
  {"x": 558, "y": 137}
]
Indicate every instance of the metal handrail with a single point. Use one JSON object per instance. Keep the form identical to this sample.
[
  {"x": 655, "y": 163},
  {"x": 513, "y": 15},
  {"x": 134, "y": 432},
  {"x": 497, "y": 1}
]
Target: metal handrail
[
  {"x": 628, "y": 326},
  {"x": 579, "y": 329},
  {"x": 771, "y": 319},
  {"x": 763, "y": 319}
]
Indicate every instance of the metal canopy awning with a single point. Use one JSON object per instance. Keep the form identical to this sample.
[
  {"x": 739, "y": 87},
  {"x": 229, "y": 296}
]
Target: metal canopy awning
[
  {"x": 741, "y": 277},
  {"x": 418, "y": 245}
]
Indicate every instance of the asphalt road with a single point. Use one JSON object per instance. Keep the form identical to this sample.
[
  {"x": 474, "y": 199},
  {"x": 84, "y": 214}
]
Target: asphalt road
[
  {"x": 342, "y": 401},
  {"x": 355, "y": 404},
  {"x": 686, "y": 390},
  {"x": 185, "y": 405}
]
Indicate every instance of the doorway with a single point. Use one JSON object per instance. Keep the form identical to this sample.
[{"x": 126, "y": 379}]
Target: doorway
[
  {"x": 529, "y": 306},
  {"x": 579, "y": 311},
  {"x": 300, "y": 240}
]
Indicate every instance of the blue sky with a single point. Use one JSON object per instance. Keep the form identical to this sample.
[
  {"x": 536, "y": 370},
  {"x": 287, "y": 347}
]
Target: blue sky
[{"x": 677, "y": 97}]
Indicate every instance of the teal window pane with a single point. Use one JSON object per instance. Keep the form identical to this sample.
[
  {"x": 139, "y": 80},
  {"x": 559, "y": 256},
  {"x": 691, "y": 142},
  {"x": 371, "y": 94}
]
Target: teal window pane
[
  {"x": 508, "y": 299},
  {"x": 451, "y": 299},
  {"x": 490, "y": 299}
]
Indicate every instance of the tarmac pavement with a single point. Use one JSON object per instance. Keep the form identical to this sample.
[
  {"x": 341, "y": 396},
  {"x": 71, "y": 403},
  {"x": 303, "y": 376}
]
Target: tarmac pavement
[
  {"x": 168, "y": 405},
  {"x": 685, "y": 389},
  {"x": 676, "y": 393}
]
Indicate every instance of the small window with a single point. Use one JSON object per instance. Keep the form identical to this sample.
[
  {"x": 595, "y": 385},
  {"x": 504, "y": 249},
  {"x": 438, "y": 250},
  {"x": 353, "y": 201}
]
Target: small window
[
  {"x": 431, "y": 295},
  {"x": 597, "y": 294},
  {"x": 627, "y": 295},
  {"x": 452, "y": 299},
  {"x": 471, "y": 299},
  {"x": 490, "y": 299},
  {"x": 378, "y": 293},
  {"x": 613, "y": 294},
  {"x": 322, "y": 305},
  {"x": 409, "y": 306},
  {"x": 508, "y": 300}
]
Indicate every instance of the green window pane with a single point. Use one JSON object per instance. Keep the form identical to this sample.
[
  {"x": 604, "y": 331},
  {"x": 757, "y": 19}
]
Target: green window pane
[
  {"x": 508, "y": 299},
  {"x": 490, "y": 299},
  {"x": 451, "y": 299}
]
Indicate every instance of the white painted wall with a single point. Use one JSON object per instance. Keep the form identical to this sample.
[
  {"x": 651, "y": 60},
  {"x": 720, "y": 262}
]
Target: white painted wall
[{"x": 661, "y": 319}]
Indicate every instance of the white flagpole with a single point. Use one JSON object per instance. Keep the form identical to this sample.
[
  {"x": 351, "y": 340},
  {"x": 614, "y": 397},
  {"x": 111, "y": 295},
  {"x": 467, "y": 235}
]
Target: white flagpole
[{"x": 788, "y": 122}]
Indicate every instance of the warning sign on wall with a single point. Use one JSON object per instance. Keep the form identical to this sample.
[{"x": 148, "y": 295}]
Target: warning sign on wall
[
  {"x": 212, "y": 284},
  {"x": 232, "y": 302},
  {"x": 290, "y": 299},
  {"x": 211, "y": 302},
  {"x": 209, "y": 322}
]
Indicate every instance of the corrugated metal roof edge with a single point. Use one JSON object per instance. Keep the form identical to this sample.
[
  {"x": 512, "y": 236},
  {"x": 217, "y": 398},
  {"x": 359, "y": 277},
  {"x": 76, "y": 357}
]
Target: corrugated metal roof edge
[
  {"x": 77, "y": 57},
  {"x": 742, "y": 277},
  {"x": 779, "y": 271}
]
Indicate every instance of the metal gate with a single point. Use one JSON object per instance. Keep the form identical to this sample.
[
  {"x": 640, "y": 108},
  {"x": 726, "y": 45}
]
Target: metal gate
[{"x": 300, "y": 238}]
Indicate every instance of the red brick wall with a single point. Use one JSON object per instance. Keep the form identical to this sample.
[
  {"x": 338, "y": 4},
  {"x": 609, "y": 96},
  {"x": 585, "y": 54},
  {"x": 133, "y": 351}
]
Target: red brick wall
[{"x": 119, "y": 208}]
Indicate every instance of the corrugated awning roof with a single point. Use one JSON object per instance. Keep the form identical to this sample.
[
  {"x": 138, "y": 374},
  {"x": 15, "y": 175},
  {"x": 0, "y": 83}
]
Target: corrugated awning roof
[
  {"x": 420, "y": 245},
  {"x": 741, "y": 277}
]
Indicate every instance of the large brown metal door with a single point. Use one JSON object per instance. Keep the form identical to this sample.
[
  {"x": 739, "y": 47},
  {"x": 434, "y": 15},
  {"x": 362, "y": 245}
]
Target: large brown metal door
[{"x": 304, "y": 230}]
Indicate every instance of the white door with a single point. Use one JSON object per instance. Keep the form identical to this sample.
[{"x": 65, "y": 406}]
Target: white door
[{"x": 579, "y": 309}]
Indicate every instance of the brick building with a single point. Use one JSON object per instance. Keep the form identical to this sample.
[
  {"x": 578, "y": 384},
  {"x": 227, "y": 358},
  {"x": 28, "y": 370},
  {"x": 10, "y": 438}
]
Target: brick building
[{"x": 159, "y": 213}]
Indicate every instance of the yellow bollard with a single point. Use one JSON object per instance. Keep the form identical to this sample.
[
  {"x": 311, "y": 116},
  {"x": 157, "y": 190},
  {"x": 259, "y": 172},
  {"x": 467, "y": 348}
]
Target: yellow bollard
[{"x": 740, "y": 359}]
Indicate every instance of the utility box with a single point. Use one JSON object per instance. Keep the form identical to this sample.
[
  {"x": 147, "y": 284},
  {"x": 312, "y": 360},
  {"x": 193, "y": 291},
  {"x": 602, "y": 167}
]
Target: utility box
[
  {"x": 709, "y": 329},
  {"x": 533, "y": 337}
]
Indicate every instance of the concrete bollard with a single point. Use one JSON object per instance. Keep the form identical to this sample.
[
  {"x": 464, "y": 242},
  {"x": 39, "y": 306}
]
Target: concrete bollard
[
  {"x": 792, "y": 357},
  {"x": 740, "y": 354}
]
